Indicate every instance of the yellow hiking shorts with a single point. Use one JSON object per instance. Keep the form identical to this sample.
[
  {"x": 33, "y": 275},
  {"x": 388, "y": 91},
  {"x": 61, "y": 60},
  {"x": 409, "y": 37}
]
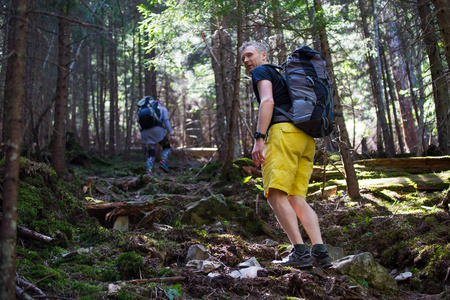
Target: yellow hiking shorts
[{"x": 289, "y": 155}]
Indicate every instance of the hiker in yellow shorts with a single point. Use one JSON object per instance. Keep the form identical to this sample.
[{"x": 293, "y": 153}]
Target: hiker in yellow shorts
[{"x": 286, "y": 154}]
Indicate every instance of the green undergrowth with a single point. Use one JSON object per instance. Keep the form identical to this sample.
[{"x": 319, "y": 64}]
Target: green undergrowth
[
  {"x": 403, "y": 230},
  {"x": 113, "y": 168}
]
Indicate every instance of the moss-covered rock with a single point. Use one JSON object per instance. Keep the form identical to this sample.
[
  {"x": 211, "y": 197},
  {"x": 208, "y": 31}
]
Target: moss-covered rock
[
  {"x": 129, "y": 265},
  {"x": 207, "y": 211}
]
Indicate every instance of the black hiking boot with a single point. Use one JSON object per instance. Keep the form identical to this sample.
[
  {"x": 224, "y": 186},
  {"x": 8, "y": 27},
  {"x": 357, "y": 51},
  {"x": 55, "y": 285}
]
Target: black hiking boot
[
  {"x": 321, "y": 259},
  {"x": 295, "y": 259}
]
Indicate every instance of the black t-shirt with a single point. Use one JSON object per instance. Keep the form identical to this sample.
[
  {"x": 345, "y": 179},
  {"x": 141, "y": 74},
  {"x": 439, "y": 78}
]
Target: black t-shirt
[{"x": 279, "y": 87}]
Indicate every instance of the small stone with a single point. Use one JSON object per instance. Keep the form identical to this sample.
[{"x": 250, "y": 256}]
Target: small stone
[{"x": 403, "y": 276}]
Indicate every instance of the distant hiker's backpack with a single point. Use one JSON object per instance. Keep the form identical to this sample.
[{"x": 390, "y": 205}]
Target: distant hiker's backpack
[
  {"x": 310, "y": 91},
  {"x": 149, "y": 113}
]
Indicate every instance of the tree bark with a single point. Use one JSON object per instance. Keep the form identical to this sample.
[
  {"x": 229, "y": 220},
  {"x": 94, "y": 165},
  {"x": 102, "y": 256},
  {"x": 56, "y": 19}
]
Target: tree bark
[
  {"x": 101, "y": 98},
  {"x": 112, "y": 98},
  {"x": 233, "y": 129},
  {"x": 314, "y": 33},
  {"x": 62, "y": 97},
  {"x": 351, "y": 179},
  {"x": 13, "y": 127},
  {"x": 440, "y": 87},
  {"x": 221, "y": 60},
  {"x": 442, "y": 8},
  {"x": 84, "y": 137},
  {"x": 74, "y": 69},
  {"x": 131, "y": 107},
  {"x": 150, "y": 75}
]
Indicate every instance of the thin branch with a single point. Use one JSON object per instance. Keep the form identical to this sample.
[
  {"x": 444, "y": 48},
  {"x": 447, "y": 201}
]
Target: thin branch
[
  {"x": 160, "y": 279},
  {"x": 209, "y": 48},
  {"x": 92, "y": 12},
  {"x": 69, "y": 19},
  {"x": 7, "y": 55}
]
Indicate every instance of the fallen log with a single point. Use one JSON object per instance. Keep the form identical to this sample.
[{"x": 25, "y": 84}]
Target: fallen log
[
  {"x": 413, "y": 165},
  {"x": 34, "y": 235},
  {"x": 199, "y": 152},
  {"x": 418, "y": 182},
  {"x": 105, "y": 212},
  {"x": 21, "y": 295},
  {"x": 25, "y": 285}
]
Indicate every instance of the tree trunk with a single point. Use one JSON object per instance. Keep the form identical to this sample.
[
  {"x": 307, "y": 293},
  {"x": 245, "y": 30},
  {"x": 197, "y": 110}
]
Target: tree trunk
[
  {"x": 84, "y": 137},
  {"x": 74, "y": 100},
  {"x": 350, "y": 174},
  {"x": 421, "y": 102},
  {"x": 418, "y": 109},
  {"x": 221, "y": 61},
  {"x": 13, "y": 127},
  {"x": 150, "y": 77},
  {"x": 440, "y": 87},
  {"x": 386, "y": 96},
  {"x": 62, "y": 96},
  {"x": 131, "y": 107},
  {"x": 140, "y": 60},
  {"x": 101, "y": 98},
  {"x": 397, "y": 63},
  {"x": 112, "y": 98},
  {"x": 374, "y": 71},
  {"x": 314, "y": 33},
  {"x": 393, "y": 99},
  {"x": 442, "y": 8},
  {"x": 94, "y": 104},
  {"x": 233, "y": 129},
  {"x": 411, "y": 61}
]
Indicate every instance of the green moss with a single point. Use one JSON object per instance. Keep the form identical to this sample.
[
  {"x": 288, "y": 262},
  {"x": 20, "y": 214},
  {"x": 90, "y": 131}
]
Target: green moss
[
  {"x": 47, "y": 277},
  {"x": 436, "y": 259},
  {"x": 165, "y": 272},
  {"x": 212, "y": 168},
  {"x": 108, "y": 272},
  {"x": 235, "y": 173},
  {"x": 91, "y": 233},
  {"x": 241, "y": 162},
  {"x": 86, "y": 291},
  {"x": 383, "y": 195},
  {"x": 129, "y": 265}
]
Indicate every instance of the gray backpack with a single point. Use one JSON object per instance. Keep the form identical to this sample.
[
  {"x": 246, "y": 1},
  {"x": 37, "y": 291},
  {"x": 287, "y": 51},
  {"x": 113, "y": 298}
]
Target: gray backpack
[{"x": 310, "y": 91}]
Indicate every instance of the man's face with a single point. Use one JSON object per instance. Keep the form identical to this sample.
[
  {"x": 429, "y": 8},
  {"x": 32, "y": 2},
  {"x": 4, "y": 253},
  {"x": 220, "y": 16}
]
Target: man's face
[{"x": 251, "y": 58}]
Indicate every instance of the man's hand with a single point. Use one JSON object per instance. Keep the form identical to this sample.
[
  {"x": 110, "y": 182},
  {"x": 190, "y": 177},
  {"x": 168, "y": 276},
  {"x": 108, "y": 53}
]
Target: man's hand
[{"x": 257, "y": 153}]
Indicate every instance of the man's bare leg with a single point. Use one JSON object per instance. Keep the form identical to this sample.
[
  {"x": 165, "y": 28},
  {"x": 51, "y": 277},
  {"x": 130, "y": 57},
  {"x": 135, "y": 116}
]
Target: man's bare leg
[
  {"x": 285, "y": 214},
  {"x": 308, "y": 218}
]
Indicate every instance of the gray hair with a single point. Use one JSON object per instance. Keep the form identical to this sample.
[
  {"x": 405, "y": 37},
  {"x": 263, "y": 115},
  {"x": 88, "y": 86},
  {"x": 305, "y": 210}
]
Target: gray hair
[{"x": 258, "y": 46}]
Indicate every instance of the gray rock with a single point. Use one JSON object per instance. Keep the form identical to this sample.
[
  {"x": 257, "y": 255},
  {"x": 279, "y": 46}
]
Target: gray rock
[
  {"x": 363, "y": 266},
  {"x": 270, "y": 242},
  {"x": 246, "y": 272},
  {"x": 335, "y": 253},
  {"x": 197, "y": 252},
  {"x": 203, "y": 266},
  {"x": 157, "y": 253},
  {"x": 252, "y": 262},
  {"x": 206, "y": 211}
]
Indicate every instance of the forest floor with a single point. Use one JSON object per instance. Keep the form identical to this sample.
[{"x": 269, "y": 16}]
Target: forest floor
[{"x": 405, "y": 230}]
